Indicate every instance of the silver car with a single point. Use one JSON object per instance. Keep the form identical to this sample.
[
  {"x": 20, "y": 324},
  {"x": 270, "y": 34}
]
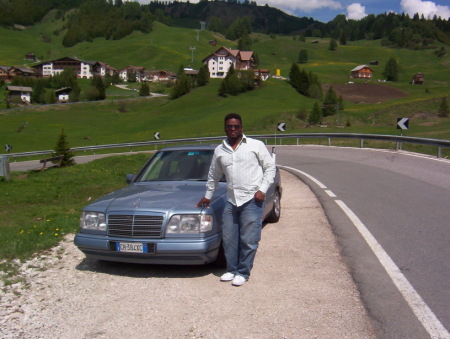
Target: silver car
[{"x": 155, "y": 219}]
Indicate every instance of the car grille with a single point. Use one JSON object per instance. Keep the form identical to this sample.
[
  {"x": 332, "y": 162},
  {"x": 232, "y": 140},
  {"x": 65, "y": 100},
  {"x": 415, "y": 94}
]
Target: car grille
[{"x": 135, "y": 226}]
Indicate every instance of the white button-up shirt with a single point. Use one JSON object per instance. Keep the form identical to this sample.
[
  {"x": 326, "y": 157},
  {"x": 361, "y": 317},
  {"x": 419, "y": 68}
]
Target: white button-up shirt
[{"x": 248, "y": 168}]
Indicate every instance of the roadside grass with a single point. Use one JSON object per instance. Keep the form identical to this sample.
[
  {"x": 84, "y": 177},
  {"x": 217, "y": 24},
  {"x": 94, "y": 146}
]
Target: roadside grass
[{"x": 39, "y": 208}]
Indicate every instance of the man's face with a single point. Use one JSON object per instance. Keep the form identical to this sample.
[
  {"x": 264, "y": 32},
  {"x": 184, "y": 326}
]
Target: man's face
[{"x": 233, "y": 128}]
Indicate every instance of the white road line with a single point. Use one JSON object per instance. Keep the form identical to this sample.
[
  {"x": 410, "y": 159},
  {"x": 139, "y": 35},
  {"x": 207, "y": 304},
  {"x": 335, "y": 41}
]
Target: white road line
[
  {"x": 422, "y": 311},
  {"x": 330, "y": 193},
  {"x": 317, "y": 182}
]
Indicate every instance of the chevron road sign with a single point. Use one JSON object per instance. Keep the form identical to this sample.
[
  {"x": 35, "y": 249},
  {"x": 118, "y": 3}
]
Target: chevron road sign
[
  {"x": 402, "y": 123},
  {"x": 156, "y": 135},
  {"x": 281, "y": 126}
]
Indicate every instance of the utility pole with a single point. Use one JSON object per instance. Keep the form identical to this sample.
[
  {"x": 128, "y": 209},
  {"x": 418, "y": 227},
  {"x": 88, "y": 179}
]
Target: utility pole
[{"x": 192, "y": 48}]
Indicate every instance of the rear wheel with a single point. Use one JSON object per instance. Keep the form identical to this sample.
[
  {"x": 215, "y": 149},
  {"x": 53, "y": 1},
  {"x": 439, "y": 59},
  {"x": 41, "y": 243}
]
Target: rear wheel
[{"x": 275, "y": 213}]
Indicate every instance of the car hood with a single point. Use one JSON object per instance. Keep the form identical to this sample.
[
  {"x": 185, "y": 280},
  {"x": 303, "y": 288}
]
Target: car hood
[{"x": 159, "y": 197}]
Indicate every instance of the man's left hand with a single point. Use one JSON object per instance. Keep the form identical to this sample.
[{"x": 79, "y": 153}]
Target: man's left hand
[{"x": 260, "y": 196}]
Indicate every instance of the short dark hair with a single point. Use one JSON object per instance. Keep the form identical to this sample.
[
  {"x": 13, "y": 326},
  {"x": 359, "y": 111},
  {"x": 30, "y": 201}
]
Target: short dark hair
[{"x": 233, "y": 116}]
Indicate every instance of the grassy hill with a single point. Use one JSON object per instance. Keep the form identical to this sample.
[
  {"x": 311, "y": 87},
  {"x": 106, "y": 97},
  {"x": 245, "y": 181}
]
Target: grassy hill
[{"x": 200, "y": 113}]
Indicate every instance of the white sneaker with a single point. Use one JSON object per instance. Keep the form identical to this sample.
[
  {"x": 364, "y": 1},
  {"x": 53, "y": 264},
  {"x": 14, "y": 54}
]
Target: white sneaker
[
  {"x": 227, "y": 277},
  {"x": 238, "y": 280}
]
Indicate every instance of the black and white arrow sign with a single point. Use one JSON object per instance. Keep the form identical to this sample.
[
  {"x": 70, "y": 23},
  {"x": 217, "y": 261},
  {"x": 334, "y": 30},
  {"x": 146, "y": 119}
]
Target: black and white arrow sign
[
  {"x": 156, "y": 135},
  {"x": 402, "y": 123},
  {"x": 8, "y": 148},
  {"x": 281, "y": 126}
]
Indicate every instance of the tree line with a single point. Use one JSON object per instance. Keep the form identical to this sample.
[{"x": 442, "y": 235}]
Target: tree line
[{"x": 115, "y": 19}]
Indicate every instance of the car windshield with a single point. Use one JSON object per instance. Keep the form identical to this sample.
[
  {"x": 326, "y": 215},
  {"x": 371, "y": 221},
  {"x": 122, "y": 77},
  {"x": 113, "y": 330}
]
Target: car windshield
[{"x": 178, "y": 165}]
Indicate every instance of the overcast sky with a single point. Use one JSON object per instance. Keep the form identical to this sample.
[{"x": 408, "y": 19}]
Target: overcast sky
[{"x": 326, "y": 10}]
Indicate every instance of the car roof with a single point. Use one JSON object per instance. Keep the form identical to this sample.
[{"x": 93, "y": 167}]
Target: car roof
[{"x": 190, "y": 147}]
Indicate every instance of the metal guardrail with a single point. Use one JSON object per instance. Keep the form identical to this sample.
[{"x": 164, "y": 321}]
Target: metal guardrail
[{"x": 440, "y": 144}]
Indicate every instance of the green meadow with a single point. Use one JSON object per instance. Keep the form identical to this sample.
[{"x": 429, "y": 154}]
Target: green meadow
[{"x": 125, "y": 117}]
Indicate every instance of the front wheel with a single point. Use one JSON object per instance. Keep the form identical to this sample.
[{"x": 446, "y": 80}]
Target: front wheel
[{"x": 275, "y": 213}]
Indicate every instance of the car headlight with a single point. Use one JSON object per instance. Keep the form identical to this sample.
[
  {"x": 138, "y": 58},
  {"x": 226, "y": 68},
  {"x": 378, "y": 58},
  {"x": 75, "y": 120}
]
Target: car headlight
[
  {"x": 93, "y": 221},
  {"x": 189, "y": 224}
]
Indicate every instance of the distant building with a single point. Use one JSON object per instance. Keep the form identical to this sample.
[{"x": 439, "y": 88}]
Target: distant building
[
  {"x": 160, "y": 76},
  {"x": 30, "y": 57},
  {"x": 362, "y": 71},
  {"x": 138, "y": 71},
  {"x": 262, "y": 74},
  {"x": 62, "y": 94},
  {"x": 19, "y": 94},
  {"x": 21, "y": 72},
  {"x": 4, "y": 75},
  {"x": 220, "y": 62},
  {"x": 418, "y": 79},
  {"x": 83, "y": 69}
]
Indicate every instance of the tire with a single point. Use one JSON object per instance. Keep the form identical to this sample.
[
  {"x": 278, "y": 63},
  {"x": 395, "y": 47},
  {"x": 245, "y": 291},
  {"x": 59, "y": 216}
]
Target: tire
[{"x": 275, "y": 213}]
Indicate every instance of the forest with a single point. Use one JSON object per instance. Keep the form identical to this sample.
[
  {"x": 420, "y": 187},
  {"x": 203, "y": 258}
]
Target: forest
[{"x": 114, "y": 19}]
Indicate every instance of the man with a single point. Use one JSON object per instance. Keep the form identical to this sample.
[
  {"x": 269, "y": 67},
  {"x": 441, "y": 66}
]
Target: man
[{"x": 249, "y": 169}]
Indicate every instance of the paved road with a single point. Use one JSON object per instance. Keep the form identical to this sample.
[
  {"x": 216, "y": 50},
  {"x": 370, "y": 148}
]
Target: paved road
[{"x": 403, "y": 202}]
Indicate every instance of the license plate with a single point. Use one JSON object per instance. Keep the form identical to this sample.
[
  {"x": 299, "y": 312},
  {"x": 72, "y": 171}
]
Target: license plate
[{"x": 131, "y": 247}]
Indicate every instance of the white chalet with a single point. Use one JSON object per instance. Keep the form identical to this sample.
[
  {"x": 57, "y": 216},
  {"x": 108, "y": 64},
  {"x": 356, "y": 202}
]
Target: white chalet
[{"x": 220, "y": 62}]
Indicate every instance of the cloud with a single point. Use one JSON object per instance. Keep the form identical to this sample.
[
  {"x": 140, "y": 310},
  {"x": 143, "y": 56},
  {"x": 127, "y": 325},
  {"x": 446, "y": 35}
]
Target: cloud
[
  {"x": 356, "y": 11},
  {"x": 427, "y": 8}
]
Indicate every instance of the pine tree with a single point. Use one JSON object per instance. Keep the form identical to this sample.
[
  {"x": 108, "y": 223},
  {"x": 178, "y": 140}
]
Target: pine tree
[
  {"x": 294, "y": 76},
  {"x": 203, "y": 76},
  {"x": 391, "y": 70},
  {"x": 304, "y": 83},
  {"x": 97, "y": 82},
  {"x": 144, "y": 91},
  {"x": 315, "y": 117},
  {"x": 62, "y": 149},
  {"x": 444, "y": 109},
  {"x": 303, "y": 56},
  {"x": 181, "y": 86},
  {"x": 330, "y": 102},
  {"x": 333, "y": 45}
]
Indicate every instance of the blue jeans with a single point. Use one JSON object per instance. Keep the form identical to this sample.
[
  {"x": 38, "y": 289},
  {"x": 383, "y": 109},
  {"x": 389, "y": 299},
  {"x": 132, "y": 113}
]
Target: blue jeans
[{"x": 241, "y": 235}]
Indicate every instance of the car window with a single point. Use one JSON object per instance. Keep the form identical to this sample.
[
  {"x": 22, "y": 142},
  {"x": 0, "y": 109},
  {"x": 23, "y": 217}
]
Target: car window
[{"x": 178, "y": 165}]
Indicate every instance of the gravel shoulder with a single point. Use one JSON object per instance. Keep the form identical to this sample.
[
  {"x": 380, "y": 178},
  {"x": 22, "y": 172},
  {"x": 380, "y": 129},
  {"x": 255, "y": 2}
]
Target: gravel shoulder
[{"x": 299, "y": 288}]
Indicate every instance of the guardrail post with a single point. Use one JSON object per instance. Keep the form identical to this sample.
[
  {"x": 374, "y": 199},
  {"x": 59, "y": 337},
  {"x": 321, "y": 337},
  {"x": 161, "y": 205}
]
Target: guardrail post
[
  {"x": 361, "y": 143},
  {"x": 439, "y": 154},
  {"x": 329, "y": 141},
  {"x": 297, "y": 141},
  {"x": 4, "y": 167}
]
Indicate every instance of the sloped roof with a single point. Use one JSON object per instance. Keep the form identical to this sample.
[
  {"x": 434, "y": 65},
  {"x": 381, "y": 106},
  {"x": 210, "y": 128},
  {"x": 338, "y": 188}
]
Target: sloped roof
[
  {"x": 137, "y": 68},
  {"x": 360, "y": 67},
  {"x": 246, "y": 55},
  {"x": 19, "y": 89}
]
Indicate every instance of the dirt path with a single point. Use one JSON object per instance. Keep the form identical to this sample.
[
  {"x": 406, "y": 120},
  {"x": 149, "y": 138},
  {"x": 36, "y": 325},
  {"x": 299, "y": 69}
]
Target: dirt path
[
  {"x": 299, "y": 288},
  {"x": 366, "y": 93}
]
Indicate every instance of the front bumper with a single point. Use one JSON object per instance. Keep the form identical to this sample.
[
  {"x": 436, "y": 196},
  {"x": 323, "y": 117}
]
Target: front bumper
[{"x": 168, "y": 251}]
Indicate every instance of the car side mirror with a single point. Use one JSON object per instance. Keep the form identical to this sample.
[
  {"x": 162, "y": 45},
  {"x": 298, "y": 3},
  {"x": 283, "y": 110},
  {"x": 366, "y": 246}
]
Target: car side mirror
[{"x": 130, "y": 178}]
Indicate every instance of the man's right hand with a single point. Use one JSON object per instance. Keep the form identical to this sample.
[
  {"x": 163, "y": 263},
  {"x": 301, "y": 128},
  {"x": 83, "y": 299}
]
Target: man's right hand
[{"x": 204, "y": 202}]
